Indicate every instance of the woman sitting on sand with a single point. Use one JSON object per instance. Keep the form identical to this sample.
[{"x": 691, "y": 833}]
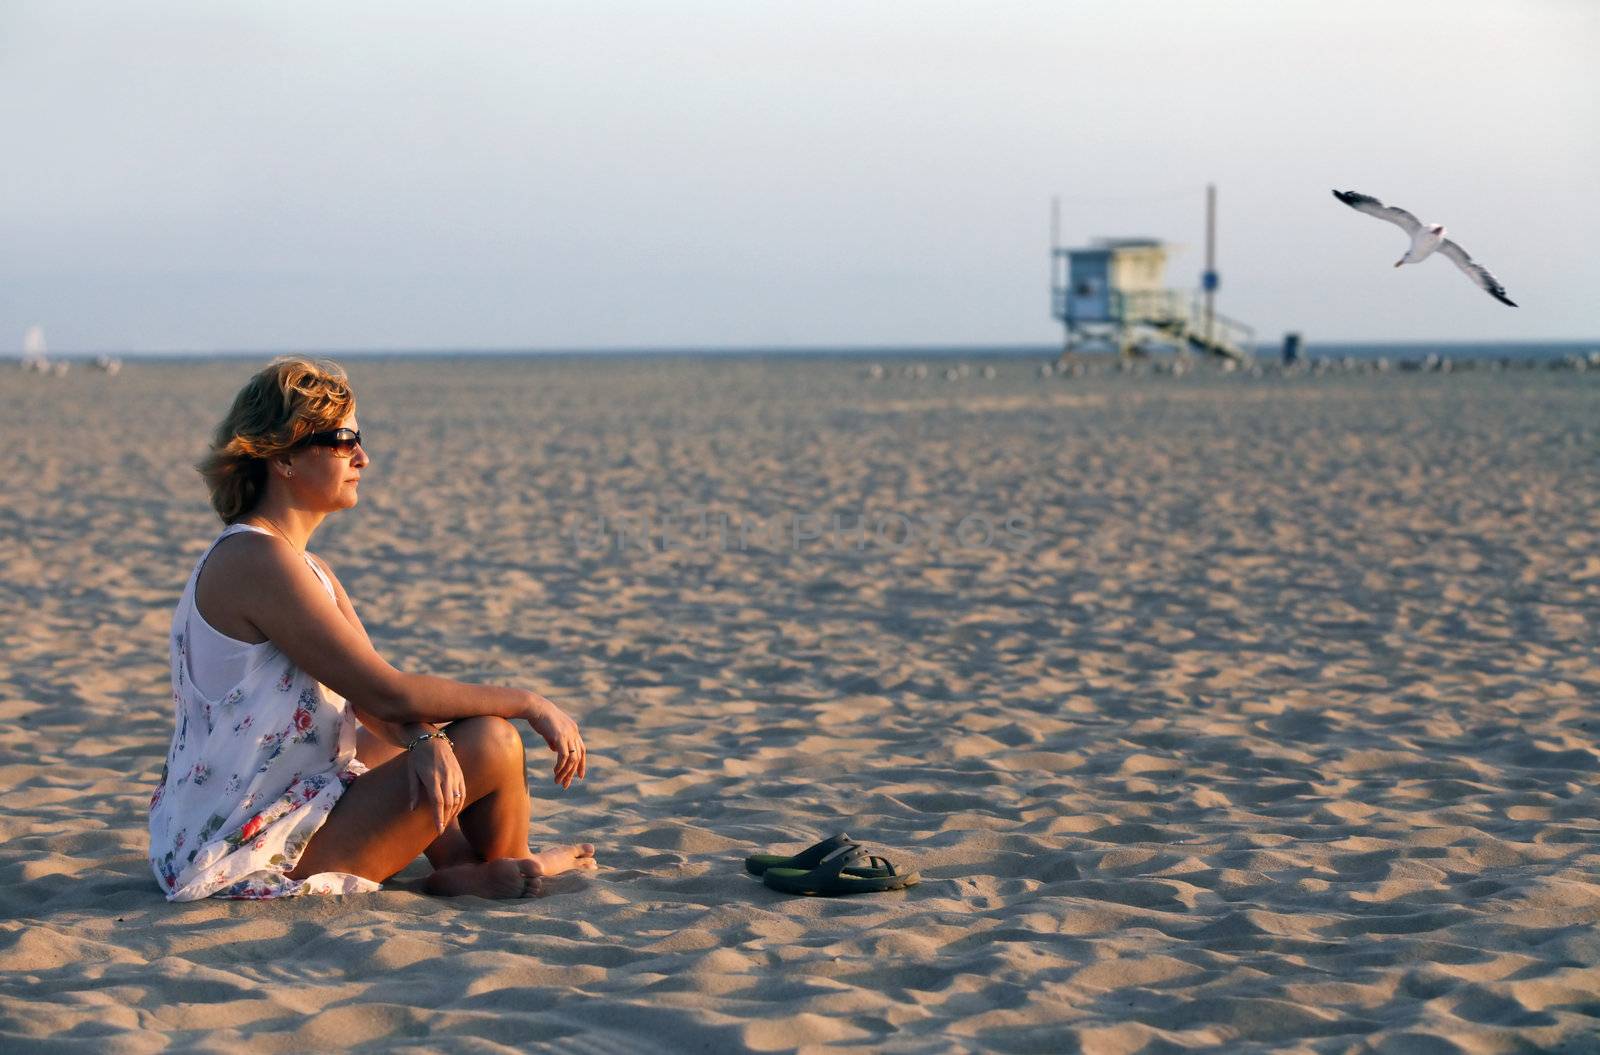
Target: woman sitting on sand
[{"x": 270, "y": 787}]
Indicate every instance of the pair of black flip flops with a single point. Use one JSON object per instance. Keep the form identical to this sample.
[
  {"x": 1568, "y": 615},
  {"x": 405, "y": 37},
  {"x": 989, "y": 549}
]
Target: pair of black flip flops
[{"x": 836, "y": 866}]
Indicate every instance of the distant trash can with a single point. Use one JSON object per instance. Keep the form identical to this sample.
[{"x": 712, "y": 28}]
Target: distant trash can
[{"x": 1291, "y": 347}]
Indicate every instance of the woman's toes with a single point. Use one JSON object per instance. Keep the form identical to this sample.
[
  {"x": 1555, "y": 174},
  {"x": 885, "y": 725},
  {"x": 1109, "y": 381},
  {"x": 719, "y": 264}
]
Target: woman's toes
[
  {"x": 558, "y": 859},
  {"x": 502, "y": 879}
]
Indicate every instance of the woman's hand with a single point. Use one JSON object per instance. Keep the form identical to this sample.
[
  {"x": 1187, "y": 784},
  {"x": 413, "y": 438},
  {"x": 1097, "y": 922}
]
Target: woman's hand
[
  {"x": 560, "y": 732},
  {"x": 436, "y": 777}
]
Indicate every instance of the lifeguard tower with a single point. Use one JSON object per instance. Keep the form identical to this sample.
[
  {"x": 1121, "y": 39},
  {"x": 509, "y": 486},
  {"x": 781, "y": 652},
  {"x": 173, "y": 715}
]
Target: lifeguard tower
[{"x": 1113, "y": 294}]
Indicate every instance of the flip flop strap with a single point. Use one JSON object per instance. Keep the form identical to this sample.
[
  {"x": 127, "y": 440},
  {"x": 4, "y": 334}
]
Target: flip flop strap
[
  {"x": 813, "y": 856},
  {"x": 883, "y": 864},
  {"x": 833, "y": 865}
]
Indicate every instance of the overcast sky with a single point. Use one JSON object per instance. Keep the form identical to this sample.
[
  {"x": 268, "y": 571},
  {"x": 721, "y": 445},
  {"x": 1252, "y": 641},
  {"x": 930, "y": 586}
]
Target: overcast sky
[{"x": 291, "y": 175}]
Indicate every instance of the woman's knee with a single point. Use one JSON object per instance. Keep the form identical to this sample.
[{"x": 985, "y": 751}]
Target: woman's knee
[{"x": 487, "y": 741}]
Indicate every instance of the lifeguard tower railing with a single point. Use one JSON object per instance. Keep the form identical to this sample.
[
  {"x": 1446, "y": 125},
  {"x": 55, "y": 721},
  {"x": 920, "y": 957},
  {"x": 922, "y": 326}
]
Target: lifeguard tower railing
[{"x": 1176, "y": 316}]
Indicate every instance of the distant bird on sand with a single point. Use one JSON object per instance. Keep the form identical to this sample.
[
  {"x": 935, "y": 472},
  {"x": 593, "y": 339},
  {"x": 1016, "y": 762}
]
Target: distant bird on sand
[{"x": 1425, "y": 238}]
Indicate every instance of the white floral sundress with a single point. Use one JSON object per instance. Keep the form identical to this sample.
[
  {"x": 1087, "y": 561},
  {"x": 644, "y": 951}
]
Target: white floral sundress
[{"x": 251, "y": 775}]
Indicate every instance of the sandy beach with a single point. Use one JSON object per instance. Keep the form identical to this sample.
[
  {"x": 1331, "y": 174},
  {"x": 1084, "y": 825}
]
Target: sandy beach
[{"x": 1217, "y": 712}]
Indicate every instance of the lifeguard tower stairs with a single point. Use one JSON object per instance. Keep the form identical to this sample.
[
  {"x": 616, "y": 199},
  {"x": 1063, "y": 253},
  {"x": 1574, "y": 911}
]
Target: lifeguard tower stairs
[{"x": 1112, "y": 295}]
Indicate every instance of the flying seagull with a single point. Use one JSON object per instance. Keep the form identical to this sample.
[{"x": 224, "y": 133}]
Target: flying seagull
[{"x": 1425, "y": 238}]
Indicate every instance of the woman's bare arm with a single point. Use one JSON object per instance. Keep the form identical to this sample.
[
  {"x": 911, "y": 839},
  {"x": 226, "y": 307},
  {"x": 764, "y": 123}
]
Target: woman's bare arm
[
  {"x": 290, "y": 607},
  {"x": 393, "y": 733}
]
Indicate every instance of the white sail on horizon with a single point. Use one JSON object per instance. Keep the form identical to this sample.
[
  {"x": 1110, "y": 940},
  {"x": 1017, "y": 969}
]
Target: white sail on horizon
[{"x": 33, "y": 344}]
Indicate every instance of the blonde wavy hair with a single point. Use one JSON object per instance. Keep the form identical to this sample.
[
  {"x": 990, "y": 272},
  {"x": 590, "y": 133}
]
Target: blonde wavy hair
[{"x": 285, "y": 402}]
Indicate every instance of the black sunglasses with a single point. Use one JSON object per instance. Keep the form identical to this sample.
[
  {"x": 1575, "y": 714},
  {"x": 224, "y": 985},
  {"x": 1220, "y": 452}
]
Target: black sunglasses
[{"x": 343, "y": 441}]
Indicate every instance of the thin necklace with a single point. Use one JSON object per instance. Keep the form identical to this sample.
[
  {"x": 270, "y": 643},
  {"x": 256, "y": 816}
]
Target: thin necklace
[{"x": 274, "y": 525}]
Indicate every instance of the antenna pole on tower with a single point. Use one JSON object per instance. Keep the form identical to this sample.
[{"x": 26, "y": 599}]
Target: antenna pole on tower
[
  {"x": 1058, "y": 277},
  {"x": 1208, "y": 281}
]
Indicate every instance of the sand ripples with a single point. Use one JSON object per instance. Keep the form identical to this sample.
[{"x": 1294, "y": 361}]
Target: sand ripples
[{"x": 1276, "y": 730}]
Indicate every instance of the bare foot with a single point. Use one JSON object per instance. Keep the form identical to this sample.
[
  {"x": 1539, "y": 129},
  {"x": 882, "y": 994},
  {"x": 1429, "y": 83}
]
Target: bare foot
[
  {"x": 558, "y": 859},
  {"x": 502, "y": 879},
  {"x": 510, "y": 877}
]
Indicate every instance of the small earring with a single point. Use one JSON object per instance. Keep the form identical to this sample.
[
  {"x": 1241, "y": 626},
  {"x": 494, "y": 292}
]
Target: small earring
[{"x": 288, "y": 472}]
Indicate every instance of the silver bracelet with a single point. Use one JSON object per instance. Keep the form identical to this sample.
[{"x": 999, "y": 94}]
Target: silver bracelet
[{"x": 430, "y": 736}]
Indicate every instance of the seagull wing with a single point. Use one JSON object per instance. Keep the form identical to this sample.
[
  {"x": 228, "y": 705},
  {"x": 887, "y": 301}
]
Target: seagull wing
[
  {"x": 1373, "y": 207},
  {"x": 1476, "y": 271}
]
